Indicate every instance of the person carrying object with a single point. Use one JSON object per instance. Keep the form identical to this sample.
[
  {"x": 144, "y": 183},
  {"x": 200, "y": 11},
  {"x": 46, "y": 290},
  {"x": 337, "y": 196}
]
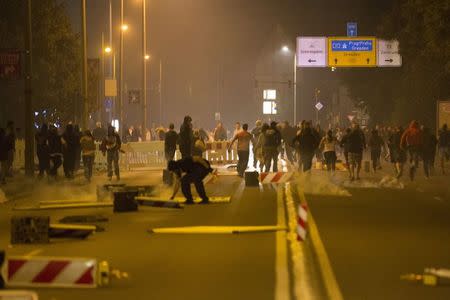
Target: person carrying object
[{"x": 190, "y": 170}]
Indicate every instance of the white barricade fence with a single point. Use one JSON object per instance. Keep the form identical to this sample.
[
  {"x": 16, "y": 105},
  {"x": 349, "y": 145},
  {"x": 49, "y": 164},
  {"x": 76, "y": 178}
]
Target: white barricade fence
[{"x": 217, "y": 152}]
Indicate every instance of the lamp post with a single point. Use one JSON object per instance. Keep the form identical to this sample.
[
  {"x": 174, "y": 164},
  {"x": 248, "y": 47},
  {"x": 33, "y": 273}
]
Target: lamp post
[
  {"x": 285, "y": 49},
  {"x": 123, "y": 28},
  {"x": 144, "y": 63},
  {"x": 84, "y": 89},
  {"x": 29, "y": 117}
]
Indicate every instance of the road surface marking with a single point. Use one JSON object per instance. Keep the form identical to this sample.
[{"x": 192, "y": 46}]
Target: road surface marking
[
  {"x": 326, "y": 270},
  {"x": 281, "y": 258},
  {"x": 217, "y": 229},
  {"x": 34, "y": 252},
  {"x": 302, "y": 286}
]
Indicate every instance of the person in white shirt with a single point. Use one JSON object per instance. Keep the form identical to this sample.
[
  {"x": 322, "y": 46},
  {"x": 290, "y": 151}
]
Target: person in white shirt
[{"x": 328, "y": 146}]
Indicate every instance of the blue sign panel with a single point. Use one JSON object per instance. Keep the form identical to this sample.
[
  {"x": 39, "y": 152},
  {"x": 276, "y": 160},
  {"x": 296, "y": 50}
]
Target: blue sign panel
[
  {"x": 353, "y": 45},
  {"x": 352, "y": 29}
]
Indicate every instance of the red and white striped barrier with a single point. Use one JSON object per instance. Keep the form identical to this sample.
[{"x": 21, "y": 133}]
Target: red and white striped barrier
[
  {"x": 302, "y": 222},
  {"x": 50, "y": 272},
  {"x": 277, "y": 177}
]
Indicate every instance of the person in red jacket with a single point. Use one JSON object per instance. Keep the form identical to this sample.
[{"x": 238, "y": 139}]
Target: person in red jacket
[{"x": 412, "y": 141}]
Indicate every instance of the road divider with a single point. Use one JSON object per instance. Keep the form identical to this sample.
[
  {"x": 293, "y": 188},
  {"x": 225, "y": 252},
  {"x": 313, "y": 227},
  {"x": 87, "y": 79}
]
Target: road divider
[
  {"x": 276, "y": 177},
  {"x": 65, "y": 206},
  {"x": 302, "y": 222},
  {"x": 217, "y": 229},
  {"x": 56, "y": 272}
]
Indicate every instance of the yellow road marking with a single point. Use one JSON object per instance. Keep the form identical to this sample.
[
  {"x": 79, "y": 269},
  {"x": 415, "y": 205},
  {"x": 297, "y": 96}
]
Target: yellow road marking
[
  {"x": 72, "y": 226},
  {"x": 326, "y": 270},
  {"x": 34, "y": 252},
  {"x": 65, "y": 206},
  {"x": 281, "y": 257},
  {"x": 217, "y": 229},
  {"x": 216, "y": 199}
]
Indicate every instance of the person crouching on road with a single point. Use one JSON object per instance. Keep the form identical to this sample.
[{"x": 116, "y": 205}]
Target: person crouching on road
[
  {"x": 244, "y": 138},
  {"x": 88, "y": 153},
  {"x": 195, "y": 169},
  {"x": 111, "y": 146}
]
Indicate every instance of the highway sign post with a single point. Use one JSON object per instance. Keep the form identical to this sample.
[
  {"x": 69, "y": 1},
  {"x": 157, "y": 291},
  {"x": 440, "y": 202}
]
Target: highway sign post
[
  {"x": 352, "y": 29},
  {"x": 318, "y": 106},
  {"x": 388, "y": 54},
  {"x": 352, "y": 52},
  {"x": 311, "y": 52}
]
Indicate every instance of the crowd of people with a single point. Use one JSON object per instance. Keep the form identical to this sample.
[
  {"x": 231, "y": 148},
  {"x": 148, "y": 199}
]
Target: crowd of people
[{"x": 297, "y": 144}]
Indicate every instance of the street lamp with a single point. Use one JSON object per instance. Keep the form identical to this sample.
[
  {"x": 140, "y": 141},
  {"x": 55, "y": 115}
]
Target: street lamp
[
  {"x": 107, "y": 50},
  {"x": 124, "y": 27},
  {"x": 147, "y": 57},
  {"x": 285, "y": 48}
]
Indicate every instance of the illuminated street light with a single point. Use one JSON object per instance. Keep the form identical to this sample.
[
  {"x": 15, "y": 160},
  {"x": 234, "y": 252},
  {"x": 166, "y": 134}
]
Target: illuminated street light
[
  {"x": 108, "y": 50},
  {"x": 285, "y": 49},
  {"x": 147, "y": 57},
  {"x": 124, "y": 27}
]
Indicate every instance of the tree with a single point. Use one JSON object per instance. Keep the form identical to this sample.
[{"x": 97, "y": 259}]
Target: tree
[
  {"x": 56, "y": 54},
  {"x": 409, "y": 92}
]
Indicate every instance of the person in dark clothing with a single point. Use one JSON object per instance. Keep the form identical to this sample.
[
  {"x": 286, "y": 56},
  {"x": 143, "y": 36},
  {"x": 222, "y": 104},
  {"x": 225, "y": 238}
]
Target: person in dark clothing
[
  {"x": 272, "y": 141},
  {"x": 220, "y": 133},
  {"x": 42, "y": 150},
  {"x": 88, "y": 153},
  {"x": 10, "y": 144},
  {"x": 186, "y": 137},
  {"x": 99, "y": 133},
  {"x": 319, "y": 133},
  {"x": 444, "y": 146},
  {"x": 396, "y": 153},
  {"x": 356, "y": 146},
  {"x": 288, "y": 134},
  {"x": 195, "y": 169},
  {"x": 344, "y": 145},
  {"x": 110, "y": 147},
  {"x": 428, "y": 151},
  {"x": 376, "y": 143},
  {"x": 199, "y": 145},
  {"x": 255, "y": 133},
  {"x": 69, "y": 146},
  {"x": 78, "y": 135},
  {"x": 170, "y": 143},
  {"x": 54, "y": 151},
  {"x": 306, "y": 144}
]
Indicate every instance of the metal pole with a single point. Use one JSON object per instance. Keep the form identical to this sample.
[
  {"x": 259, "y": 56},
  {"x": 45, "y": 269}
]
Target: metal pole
[
  {"x": 121, "y": 71},
  {"x": 144, "y": 66},
  {"x": 160, "y": 91},
  {"x": 102, "y": 84},
  {"x": 84, "y": 67},
  {"x": 295, "y": 89},
  {"x": 29, "y": 140},
  {"x": 111, "y": 62}
]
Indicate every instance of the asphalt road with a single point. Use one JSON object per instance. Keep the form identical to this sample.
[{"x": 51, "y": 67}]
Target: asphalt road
[
  {"x": 378, "y": 234},
  {"x": 166, "y": 266}
]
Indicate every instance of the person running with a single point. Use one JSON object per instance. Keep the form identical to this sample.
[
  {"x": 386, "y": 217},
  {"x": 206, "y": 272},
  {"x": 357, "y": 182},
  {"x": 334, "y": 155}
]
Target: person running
[
  {"x": 288, "y": 135},
  {"x": 256, "y": 133},
  {"x": 412, "y": 142},
  {"x": 170, "y": 143},
  {"x": 444, "y": 147},
  {"x": 396, "y": 153},
  {"x": 428, "y": 151},
  {"x": 69, "y": 144},
  {"x": 306, "y": 144},
  {"x": 328, "y": 146},
  {"x": 243, "y": 148},
  {"x": 376, "y": 144},
  {"x": 356, "y": 146},
  {"x": 55, "y": 151},
  {"x": 111, "y": 147},
  {"x": 195, "y": 169},
  {"x": 272, "y": 140},
  {"x": 345, "y": 146},
  {"x": 186, "y": 137},
  {"x": 88, "y": 148},
  {"x": 42, "y": 152}
]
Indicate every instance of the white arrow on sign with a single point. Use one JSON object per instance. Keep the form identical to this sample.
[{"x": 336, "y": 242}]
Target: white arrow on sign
[
  {"x": 388, "y": 54},
  {"x": 311, "y": 51}
]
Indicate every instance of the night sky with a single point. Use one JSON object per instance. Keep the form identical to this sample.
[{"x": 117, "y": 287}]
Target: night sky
[{"x": 204, "y": 42}]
